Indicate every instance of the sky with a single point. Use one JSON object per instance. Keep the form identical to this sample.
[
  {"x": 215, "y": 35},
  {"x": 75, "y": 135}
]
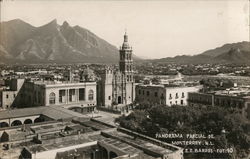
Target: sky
[{"x": 156, "y": 29}]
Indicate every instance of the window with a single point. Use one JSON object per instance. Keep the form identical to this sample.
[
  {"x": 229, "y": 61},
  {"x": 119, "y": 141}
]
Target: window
[
  {"x": 14, "y": 95},
  {"x": 139, "y": 91},
  {"x": 182, "y": 95},
  {"x": 82, "y": 94},
  {"x": 156, "y": 94},
  {"x": 176, "y": 95},
  {"x": 7, "y": 96},
  {"x": 170, "y": 96},
  {"x": 52, "y": 98},
  {"x": 162, "y": 96},
  {"x": 91, "y": 94},
  {"x": 62, "y": 94},
  {"x": 148, "y": 93},
  {"x": 72, "y": 95},
  {"x": 143, "y": 92},
  {"x": 109, "y": 97},
  {"x": 181, "y": 102}
]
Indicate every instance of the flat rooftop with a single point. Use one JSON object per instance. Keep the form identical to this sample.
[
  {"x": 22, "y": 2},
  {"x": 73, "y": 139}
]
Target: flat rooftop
[
  {"x": 53, "y": 112},
  {"x": 61, "y": 83},
  {"x": 121, "y": 146},
  {"x": 234, "y": 93},
  {"x": 82, "y": 133},
  {"x": 168, "y": 86},
  {"x": 14, "y": 113},
  {"x": 141, "y": 142},
  {"x": 95, "y": 125}
]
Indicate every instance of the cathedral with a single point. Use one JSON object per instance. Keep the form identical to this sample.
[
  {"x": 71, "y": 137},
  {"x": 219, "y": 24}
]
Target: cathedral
[{"x": 116, "y": 87}]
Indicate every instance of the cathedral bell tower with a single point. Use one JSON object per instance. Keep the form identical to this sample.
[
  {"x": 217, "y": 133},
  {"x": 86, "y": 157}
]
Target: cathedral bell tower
[{"x": 126, "y": 62}]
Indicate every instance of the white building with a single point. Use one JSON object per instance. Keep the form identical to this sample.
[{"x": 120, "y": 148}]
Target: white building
[
  {"x": 165, "y": 95},
  {"x": 66, "y": 94}
]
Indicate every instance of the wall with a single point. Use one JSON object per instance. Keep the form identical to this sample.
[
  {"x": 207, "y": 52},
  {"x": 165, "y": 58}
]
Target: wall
[
  {"x": 22, "y": 119},
  {"x": 200, "y": 98},
  {"x": 51, "y": 154},
  {"x": 129, "y": 92},
  {"x": 182, "y": 95},
  {"x": 158, "y": 94},
  {"x": 106, "y": 88},
  {"x": 16, "y": 84},
  {"x": 247, "y": 110},
  {"x": 8, "y": 98},
  {"x": 237, "y": 102},
  {"x": 147, "y": 94},
  {"x": 38, "y": 94},
  {"x": 227, "y": 101},
  {"x": 11, "y": 98}
]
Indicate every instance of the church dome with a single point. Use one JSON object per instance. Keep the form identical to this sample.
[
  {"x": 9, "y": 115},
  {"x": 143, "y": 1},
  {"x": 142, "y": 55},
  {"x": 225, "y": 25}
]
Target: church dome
[
  {"x": 88, "y": 75},
  {"x": 125, "y": 44},
  {"x": 88, "y": 71}
]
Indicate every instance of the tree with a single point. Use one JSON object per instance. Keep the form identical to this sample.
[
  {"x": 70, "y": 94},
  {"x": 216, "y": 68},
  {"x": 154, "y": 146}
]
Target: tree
[{"x": 230, "y": 128}]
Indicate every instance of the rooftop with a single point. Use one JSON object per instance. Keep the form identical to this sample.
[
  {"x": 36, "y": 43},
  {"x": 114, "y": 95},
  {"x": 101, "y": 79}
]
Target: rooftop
[
  {"x": 235, "y": 92},
  {"x": 61, "y": 83},
  {"x": 140, "y": 142},
  {"x": 84, "y": 133},
  {"x": 14, "y": 113},
  {"x": 167, "y": 86},
  {"x": 95, "y": 125},
  {"x": 121, "y": 146},
  {"x": 53, "y": 112}
]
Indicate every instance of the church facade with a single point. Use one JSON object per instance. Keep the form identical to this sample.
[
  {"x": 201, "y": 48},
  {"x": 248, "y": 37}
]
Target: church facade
[{"x": 116, "y": 87}]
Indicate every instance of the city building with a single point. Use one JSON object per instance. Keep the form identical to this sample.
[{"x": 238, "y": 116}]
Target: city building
[
  {"x": 65, "y": 134},
  {"x": 116, "y": 87},
  {"x": 80, "y": 96},
  {"x": 18, "y": 117},
  {"x": 9, "y": 97},
  {"x": 55, "y": 93},
  {"x": 236, "y": 99},
  {"x": 195, "y": 98},
  {"x": 163, "y": 94}
]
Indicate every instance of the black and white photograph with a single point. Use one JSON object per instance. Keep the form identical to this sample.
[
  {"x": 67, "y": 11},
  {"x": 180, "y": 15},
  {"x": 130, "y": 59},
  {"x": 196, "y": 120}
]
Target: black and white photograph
[{"x": 124, "y": 79}]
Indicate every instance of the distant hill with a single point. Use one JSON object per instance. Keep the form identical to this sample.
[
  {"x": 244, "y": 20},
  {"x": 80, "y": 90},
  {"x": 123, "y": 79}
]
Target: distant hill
[
  {"x": 23, "y": 43},
  {"x": 228, "y": 53}
]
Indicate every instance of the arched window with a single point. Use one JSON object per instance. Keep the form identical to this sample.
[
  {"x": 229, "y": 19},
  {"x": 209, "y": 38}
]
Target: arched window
[
  {"x": 91, "y": 94},
  {"x": 52, "y": 98}
]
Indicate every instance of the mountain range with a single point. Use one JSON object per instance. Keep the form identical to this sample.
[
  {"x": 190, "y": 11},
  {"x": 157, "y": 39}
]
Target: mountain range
[
  {"x": 238, "y": 53},
  {"x": 23, "y": 43}
]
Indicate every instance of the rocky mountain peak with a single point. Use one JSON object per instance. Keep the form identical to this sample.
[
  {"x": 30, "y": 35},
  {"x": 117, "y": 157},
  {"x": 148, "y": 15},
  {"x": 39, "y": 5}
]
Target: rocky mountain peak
[{"x": 54, "y": 43}]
